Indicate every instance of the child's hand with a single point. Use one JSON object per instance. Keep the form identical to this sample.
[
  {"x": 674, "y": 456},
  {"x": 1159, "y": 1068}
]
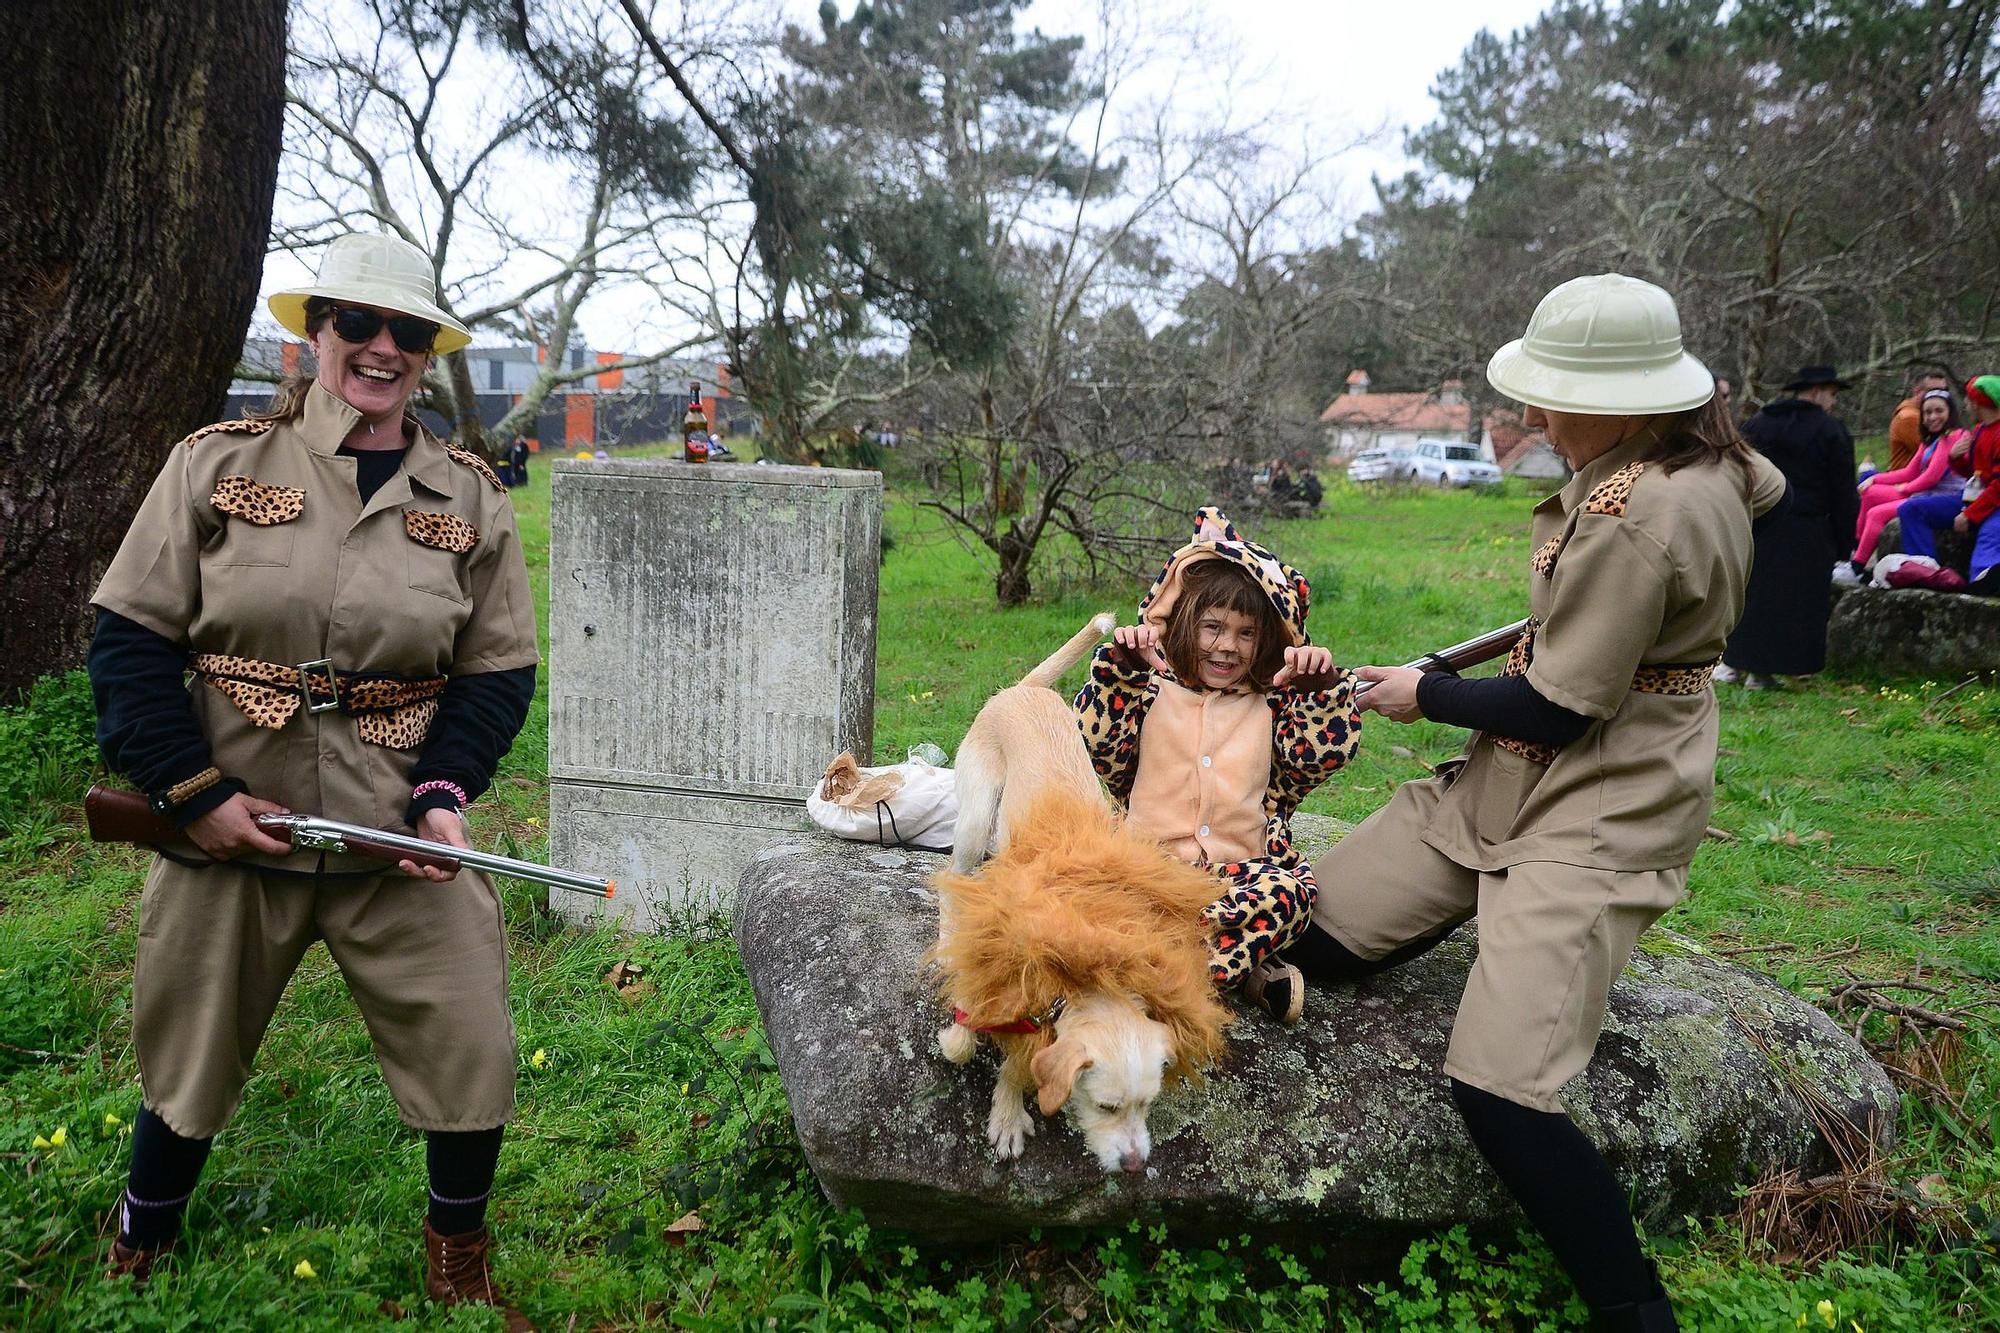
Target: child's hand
[
  {"x": 1139, "y": 645},
  {"x": 1304, "y": 669}
]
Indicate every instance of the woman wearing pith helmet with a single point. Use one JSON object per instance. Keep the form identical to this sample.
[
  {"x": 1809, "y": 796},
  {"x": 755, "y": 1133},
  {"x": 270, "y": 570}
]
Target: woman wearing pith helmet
[
  {"x": 349, "y": 595},
  {"x": 1568, "y": 825}
]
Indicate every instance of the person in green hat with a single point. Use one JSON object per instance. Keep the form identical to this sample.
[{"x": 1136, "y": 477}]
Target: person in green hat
[
  {"x": 1568, "y": 824},
  {"x": 349, "y": 595}
]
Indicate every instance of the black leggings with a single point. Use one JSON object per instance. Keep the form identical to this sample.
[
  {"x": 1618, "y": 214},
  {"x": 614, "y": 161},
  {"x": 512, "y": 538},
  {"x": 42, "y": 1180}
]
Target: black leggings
[
  {"x": 1553, "y": 1171},
  {"x": 1323, "y": 958},
  {"x": 166, "y": 1167}
]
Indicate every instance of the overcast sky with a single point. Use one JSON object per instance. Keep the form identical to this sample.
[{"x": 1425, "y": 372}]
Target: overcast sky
[
  {"x": 1334, "y": 66},
  {"x": 1324, "y": 72}
]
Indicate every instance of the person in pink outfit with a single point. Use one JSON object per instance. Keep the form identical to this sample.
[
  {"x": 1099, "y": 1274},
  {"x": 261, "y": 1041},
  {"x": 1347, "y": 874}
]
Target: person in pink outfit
[{"x": 1929, "y": 470}]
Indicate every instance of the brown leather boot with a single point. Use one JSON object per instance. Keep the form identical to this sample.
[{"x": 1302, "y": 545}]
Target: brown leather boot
[
  {"x": 135, "y": 1264},
  {"x": 457, "y": 1273}
]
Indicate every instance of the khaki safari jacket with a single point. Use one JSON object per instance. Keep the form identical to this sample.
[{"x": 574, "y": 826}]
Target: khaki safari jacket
[
  {"x": 427, "y": 579},
  {"x": 1633, "y": 567}
]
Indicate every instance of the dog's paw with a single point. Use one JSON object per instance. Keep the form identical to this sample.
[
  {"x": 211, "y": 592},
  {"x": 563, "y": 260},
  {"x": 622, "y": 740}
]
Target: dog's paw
[
  {"x": 1008, "y": 1129},
  {"x": 956, "y": 1042}
]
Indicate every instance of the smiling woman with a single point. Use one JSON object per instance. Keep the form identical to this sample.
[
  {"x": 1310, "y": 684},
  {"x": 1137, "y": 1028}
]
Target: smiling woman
[{"x": 350, "y": 596}]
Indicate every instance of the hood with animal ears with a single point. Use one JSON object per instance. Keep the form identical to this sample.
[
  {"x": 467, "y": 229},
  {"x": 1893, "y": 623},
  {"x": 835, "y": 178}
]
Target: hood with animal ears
[{"x": 1216, "y": 538}]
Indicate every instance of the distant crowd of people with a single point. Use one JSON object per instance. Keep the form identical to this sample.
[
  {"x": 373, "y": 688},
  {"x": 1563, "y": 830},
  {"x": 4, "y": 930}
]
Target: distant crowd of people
[{"x": 1942, "y": 476}]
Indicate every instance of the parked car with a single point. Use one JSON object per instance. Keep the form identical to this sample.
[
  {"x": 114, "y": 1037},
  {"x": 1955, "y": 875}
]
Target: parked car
[
  {"x": 1371, "y": 465},
  {"x": 1451, "y": 463}
]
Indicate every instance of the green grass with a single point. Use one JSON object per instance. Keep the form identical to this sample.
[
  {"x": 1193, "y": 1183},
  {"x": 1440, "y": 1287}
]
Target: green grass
[{"x": 1862, "y": 823}]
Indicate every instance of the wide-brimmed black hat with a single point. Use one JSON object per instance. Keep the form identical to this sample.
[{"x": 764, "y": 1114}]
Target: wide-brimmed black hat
[{"x": 1809, "y": 376}]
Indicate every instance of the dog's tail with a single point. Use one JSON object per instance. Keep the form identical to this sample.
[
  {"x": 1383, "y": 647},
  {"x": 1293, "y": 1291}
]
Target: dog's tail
[{"x": 1079, "y": 647}]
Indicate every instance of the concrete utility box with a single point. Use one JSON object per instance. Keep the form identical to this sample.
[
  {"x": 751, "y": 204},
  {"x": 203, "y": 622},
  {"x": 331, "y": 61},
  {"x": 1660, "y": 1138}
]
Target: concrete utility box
[{"x": 711, "y": 647}]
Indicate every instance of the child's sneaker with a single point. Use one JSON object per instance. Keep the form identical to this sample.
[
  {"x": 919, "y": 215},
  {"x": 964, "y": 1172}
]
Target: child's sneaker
[
  {"x": 1845, "y": 575},
  {"x": 1726, "y": 674},
  {"x": 1278, "y": 988}
]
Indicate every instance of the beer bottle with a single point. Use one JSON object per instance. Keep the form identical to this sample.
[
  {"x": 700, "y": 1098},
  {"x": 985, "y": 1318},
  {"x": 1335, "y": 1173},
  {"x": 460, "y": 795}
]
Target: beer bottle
[{"x": 694, "y": 429}]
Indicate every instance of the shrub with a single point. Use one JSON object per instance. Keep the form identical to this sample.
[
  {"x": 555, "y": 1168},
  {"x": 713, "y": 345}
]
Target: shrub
[{"x": 48, "y": 745}]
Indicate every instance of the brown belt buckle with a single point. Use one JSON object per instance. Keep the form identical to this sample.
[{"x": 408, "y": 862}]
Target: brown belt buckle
[{"x": 305, "y": 685}]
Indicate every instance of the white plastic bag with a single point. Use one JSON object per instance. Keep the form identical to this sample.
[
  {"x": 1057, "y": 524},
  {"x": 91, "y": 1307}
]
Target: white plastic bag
[{"x": 911, "y": 804}]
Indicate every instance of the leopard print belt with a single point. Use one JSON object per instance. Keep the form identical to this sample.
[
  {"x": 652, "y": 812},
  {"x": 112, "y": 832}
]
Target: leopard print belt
[
  {"x": 395, "y": 711},
  {"x": 1666, "y": 678}
]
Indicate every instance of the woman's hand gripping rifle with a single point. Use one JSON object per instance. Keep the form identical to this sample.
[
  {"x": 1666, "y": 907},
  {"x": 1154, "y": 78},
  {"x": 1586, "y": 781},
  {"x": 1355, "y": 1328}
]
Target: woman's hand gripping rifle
[
  {"x": 124, "y": 816},
  {"x": 1484, "y": 648},
  {"x": 1493, "y": 643}
]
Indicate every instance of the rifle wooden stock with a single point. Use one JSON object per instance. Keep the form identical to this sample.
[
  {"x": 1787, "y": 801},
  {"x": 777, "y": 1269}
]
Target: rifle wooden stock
[{"x": 125, "y": 816}]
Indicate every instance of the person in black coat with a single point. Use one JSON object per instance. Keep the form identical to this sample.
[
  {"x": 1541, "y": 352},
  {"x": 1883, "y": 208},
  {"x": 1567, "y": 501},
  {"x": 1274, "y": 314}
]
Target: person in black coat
[{"x": 1790, "y": 596}]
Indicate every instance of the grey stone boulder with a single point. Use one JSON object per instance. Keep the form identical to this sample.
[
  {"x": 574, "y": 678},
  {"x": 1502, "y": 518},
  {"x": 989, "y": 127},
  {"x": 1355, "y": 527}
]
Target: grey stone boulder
[
  {"x": 1340, "y": 1130},
  {"x": 1908, "y": 631}
]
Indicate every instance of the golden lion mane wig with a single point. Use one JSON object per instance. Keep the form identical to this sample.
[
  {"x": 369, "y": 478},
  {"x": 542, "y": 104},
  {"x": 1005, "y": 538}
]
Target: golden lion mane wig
[{"x": 1078, "y": 902}]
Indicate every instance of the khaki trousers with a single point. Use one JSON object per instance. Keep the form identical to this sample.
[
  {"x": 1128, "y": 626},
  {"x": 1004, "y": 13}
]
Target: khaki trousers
[
  {"x": 426, "y": 963},
  {"x": 1552, "y": 939}
]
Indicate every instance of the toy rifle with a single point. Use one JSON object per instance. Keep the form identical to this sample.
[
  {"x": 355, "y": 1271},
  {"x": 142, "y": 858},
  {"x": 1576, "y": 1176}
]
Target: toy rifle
[
  {"x": 1493, "y": 643},
  {"x": 126, "y": 816}
]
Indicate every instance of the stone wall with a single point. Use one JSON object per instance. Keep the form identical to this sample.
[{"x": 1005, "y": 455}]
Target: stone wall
[{"x": 711, "y": 647}]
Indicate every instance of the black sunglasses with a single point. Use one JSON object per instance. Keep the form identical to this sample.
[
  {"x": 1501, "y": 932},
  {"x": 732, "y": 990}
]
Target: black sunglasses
[{"x": 355, "y": 325}]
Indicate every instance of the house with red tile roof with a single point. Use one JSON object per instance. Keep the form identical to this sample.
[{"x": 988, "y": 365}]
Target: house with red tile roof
[
  {"x": 1519, "y": 451},
  {"x": 1359, "y": 419}
]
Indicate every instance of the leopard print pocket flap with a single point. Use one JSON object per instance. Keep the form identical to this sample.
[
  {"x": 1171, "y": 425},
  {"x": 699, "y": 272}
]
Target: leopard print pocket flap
[
  {"x": 254, "y": 502},
  {"x": 447, "y": 532}
]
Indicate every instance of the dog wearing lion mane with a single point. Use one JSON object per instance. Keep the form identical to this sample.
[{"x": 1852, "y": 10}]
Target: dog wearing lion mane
[{"x": 1078, "y": 945}]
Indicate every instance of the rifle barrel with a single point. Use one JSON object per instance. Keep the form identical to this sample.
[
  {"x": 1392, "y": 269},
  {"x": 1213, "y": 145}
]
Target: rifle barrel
[
  {"x": 1482, "y": 648},
  {"x": 330, "y": 834}
]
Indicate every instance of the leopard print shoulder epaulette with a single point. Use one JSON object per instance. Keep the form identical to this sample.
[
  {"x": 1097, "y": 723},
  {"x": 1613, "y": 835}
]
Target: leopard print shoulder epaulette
[
  {"x": 1611, "y": 495},
  {"x": 245, "y": 426},
  {"x": 477, "y": 464}
]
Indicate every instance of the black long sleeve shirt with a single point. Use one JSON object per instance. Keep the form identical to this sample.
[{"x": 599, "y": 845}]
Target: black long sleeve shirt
[{"x": 1503, "y": 705}]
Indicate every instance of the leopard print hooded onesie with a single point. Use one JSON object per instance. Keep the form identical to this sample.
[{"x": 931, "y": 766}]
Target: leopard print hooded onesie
[{"x": 1209, "y": 787}]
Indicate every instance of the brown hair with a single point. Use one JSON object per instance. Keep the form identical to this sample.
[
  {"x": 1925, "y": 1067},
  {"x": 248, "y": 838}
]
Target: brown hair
[
  {"x": 1700, "y": 435},
  {"x": 1219, "y": 585},
  {"x": 290, "y": 397}
]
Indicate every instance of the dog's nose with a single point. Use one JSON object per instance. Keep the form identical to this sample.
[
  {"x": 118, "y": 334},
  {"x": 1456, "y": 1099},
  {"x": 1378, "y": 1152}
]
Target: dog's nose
[{"x": 1133, "y": 1163}]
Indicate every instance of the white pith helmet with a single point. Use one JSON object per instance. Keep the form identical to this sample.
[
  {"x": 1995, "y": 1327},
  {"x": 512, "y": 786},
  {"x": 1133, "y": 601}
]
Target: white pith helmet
[
  {"x": 367, "y": 268},
  {"x": 1605, "y": 345}
]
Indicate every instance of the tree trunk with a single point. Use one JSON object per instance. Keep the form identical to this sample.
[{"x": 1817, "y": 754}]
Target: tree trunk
[
  {"x": 467, "y": 430},
  {"x": 138, "y": 154},
  {"x": 1012, "y": 588}
]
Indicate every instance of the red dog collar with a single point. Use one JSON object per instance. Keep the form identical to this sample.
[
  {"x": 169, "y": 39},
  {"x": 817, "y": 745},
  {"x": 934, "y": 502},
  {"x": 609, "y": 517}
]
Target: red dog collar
[{"x": 1021, "y": 1026}]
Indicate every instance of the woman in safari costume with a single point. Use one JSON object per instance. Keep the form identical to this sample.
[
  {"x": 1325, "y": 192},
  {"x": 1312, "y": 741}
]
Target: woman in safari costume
[
  {"x": 350, "y": 596},
  {"x": 1569, "y": 823}
]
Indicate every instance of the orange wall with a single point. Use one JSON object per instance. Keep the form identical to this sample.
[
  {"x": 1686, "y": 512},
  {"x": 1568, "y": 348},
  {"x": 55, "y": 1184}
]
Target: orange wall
[
  {"x": 579, "y": 419},
  {"x": 610, "y": 379}
]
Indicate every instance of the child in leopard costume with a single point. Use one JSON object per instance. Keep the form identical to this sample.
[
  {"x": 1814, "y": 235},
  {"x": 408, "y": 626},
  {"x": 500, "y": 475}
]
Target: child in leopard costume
[{"x": 1241, "y": 719}]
